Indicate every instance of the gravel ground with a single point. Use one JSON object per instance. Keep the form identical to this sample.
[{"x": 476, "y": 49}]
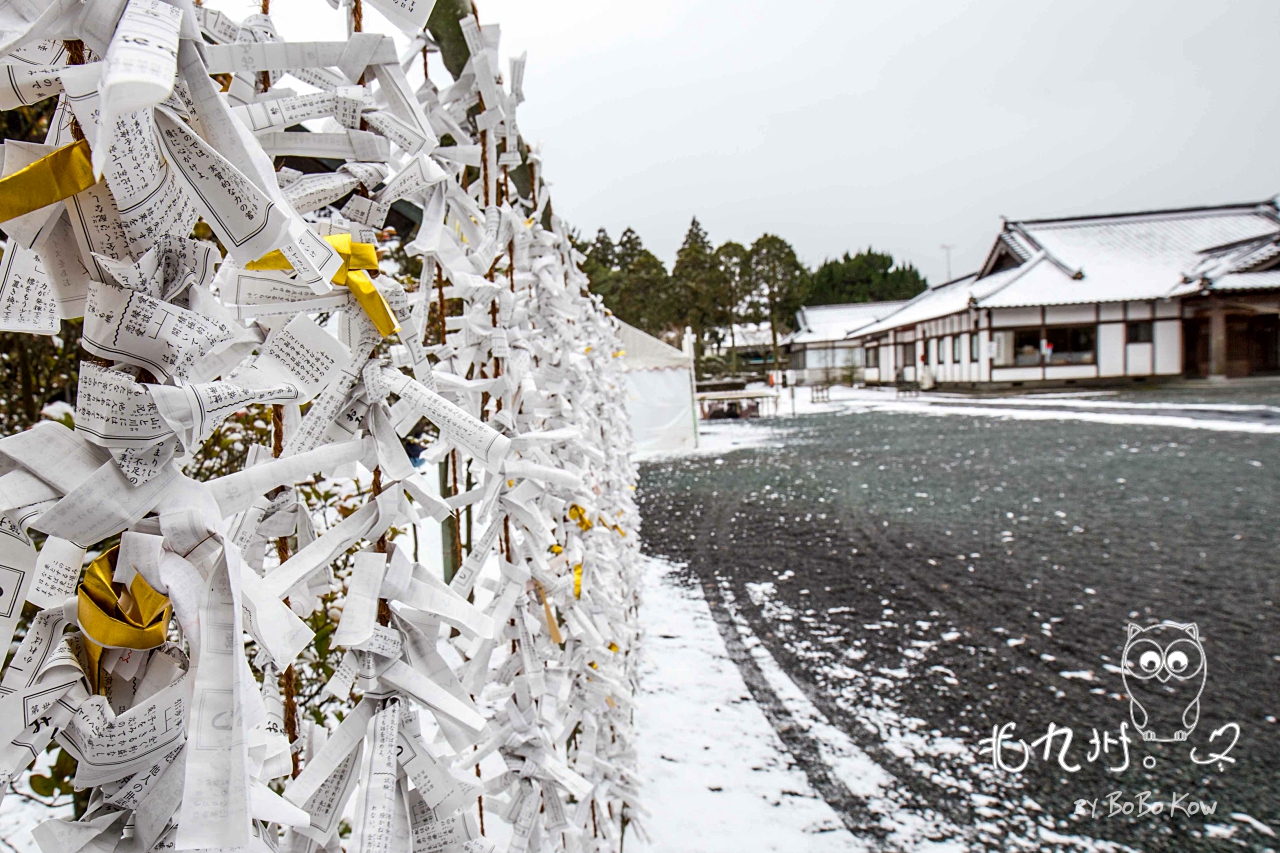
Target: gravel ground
[
  {"x": 1261, "y": 391},
  {"x": 924, "y": 579}
]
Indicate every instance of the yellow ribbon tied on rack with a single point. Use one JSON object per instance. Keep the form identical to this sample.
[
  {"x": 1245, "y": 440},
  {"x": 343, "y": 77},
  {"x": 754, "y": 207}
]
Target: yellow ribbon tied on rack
[
  {"x": 578, "y": 514},
  {"x": 50, "y": 179},
  {"x": 115, "y": 616},
  {"x": 356, "y": 258}
]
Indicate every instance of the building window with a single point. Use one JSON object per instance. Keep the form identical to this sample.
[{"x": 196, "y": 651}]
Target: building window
[
  {"x": 1016, "y": 348},
  {"x": 1071, "y": 344},
  {"x": 873, "y": 356},
  {"x": 1026, "y": 347},
  {"x": 942, "y": 350},
  {"x": 933, "y": 351},
  {"x": 1141, "y": 332},
  {"x": 955, "y": 349},
  {"x": 974, "y": 339}
]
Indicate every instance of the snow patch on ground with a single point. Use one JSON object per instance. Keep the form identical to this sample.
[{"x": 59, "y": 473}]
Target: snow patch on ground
[
  {"x": 19, "y": 814},
  {"x": 948, "y": 762},
  {"x": 716, "y": 776},
  {"x": 724, "y": 436},
  {"x": 1078, "y": 407}
]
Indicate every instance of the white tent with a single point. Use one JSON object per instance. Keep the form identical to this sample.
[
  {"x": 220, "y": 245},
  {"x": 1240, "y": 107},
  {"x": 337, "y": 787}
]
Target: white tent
[{"x": 659, "y": 393}]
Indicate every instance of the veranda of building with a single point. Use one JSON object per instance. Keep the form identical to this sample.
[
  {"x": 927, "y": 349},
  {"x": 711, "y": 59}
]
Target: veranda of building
[{"x": 1097, "y": 299}]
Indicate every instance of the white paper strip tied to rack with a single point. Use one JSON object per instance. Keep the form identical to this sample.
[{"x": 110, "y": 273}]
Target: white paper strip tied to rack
[{"x": 310, "y": 523}]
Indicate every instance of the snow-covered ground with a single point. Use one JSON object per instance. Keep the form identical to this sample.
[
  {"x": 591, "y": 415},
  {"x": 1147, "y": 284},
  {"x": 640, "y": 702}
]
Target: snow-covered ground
[
  {"x": 716, "y": 775},
  {"x": 18, "y": 814},
  {"x": 1079, "y": 406},
  {"x": 723, "y": 436},
  {"x": 676, "y": 708}
]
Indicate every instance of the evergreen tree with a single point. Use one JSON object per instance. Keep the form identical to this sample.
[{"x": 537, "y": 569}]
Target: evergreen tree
[
  {"x": 632, "y": 282},
  {"x": 868, "y": 276},
  {"x": 645, "y": 301},
  {"x": 732, "y": 259},
  {"x": 778, "y": 282},
  {"x": 698, "y": 284},
  {"x": 603, "y": 251}
]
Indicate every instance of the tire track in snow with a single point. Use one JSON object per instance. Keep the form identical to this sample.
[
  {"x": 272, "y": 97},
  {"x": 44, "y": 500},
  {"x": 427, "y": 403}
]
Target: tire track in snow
[{"x": 853, "y": 811}]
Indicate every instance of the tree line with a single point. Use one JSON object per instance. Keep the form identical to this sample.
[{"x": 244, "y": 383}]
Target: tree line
[{"x": 711, "y": 288}]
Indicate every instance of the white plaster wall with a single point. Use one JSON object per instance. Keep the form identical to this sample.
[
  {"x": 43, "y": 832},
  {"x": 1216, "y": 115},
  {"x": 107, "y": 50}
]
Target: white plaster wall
[
  {"x": 1056, "y": 315},
  {"x": 1111, "y": 349},
  {"x": 1014, "y": 374},
  {"x": 1168, "y": 343},
  {"x": 1139, "y": 359}
]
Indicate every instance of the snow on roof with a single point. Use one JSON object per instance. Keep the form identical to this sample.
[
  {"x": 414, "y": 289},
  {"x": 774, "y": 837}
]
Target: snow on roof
[
  {"x": 821, "y": 323},
  {"x": 1231, "y": 282},
  {"x": 749, "y": 336},
  {"x": 1113, "y": 258},
  {"x": 1136, "y": 256},
  {"x": 948, "y": 298},
  {"x": 1039, "y": 282},
  {"x": 1243, "y": 256},
  {"x": 645, "y": 352}
]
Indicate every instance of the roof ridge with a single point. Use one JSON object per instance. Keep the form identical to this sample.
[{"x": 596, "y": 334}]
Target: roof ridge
[
  {"x": 1150, "y": 214},
  {"x": 850, "y": 304}
]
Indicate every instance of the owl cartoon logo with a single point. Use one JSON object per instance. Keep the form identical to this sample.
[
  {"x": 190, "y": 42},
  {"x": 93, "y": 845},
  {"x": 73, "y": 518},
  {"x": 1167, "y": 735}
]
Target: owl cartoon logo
[{"x": 1164, "y": 674}]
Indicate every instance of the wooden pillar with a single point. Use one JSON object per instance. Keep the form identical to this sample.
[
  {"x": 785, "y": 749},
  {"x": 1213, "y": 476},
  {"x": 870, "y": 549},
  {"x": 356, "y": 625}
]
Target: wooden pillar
[{"x": 1217, "y": 340}]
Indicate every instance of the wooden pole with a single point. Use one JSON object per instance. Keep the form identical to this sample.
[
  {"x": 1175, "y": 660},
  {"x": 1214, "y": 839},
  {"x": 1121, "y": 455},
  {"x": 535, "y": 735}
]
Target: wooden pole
[
  {"x": 451, "y": 530},
  {"x": 384, "y": 610},
  {"x": 484, "y": 155},
  {"x": 75, "y": 56},
  {"x": 357, "y": 26},
  {"x": 288, "y": 678},
  {"x": 265, "y": 76}
]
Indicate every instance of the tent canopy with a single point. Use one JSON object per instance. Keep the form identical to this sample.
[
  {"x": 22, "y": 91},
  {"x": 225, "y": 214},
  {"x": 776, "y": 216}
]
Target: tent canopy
[
  {"x": 659, "y": 394},
  {"x": 645, "y": 352}
]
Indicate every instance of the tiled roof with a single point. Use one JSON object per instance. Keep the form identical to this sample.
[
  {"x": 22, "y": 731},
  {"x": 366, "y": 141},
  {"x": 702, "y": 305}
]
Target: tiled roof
[
  {"x": 1233, "y": 282},
  {"x": 1243, "y": 256},
  {"x": 939, "y": 301},
  {"x": 1018, "y": 244},
  {"x": 1133, "y": 256},
  {"x": 1263, "y": 255},
  {"x": 750, "y": 336},
  {"x": 1045, "y": 283},
  {"x": 1267, "y": 280},
  {"x": 820, "y": 323},
  {"x": 1109, "y": 248}
]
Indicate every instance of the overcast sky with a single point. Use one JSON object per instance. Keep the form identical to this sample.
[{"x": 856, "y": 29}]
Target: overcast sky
[{"x": 903, "y": 125}]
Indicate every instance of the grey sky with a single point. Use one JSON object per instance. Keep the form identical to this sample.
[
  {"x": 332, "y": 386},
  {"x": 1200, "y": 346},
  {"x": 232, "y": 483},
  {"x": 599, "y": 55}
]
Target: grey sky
[{"x": 902, "y": 125}]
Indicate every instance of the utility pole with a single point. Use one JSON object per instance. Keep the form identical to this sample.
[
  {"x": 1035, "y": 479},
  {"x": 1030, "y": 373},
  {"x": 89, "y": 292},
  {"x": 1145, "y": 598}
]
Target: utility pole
[{"x": 947, "y": 248}]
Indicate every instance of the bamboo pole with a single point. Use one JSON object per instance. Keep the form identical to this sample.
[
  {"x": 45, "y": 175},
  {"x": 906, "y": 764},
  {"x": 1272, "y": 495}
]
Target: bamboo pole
[
  {"x": 288, "y": 678},
  {"x": 75, "y": 56}
]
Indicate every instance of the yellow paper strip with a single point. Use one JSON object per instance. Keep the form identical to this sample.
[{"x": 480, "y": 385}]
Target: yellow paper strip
[
  {"x": 52, "y": 178},
  {"x": 137, "y": 619},
  {"x": 373, "y": 302},
  {"x": 356, "y": 257}
]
